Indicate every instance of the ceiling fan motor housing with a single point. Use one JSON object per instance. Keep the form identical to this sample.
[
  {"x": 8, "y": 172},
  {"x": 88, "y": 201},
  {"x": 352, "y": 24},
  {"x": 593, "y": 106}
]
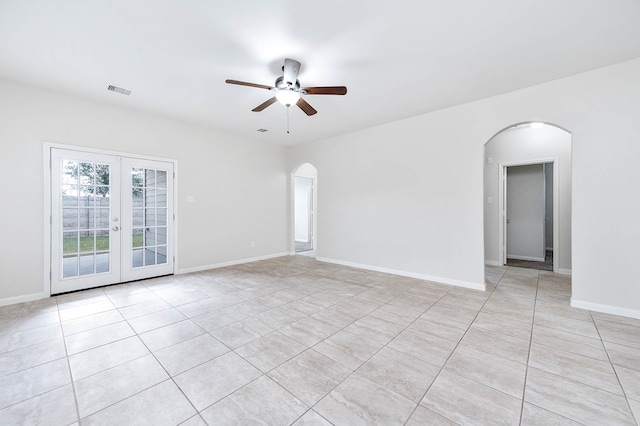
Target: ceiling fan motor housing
[{"x": 281, "y": 84}]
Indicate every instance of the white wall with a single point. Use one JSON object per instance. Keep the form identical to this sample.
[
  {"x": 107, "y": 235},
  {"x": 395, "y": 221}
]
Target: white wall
[
  {"x": 389, "y": 198},
  {"x": 525, "y": 212},
  {"x": 408, "y": 196},
  {"x": 528, "y": 145},
  {"x": 306, "y": 170},
  {"x": 405, "y": 196},
  {"x": 240, "y": 186}
]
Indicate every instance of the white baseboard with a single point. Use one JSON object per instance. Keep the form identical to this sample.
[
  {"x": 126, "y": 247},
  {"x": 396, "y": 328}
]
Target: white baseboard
[
  {"x": 19, "y": 299},
  {"x": 492, "y": 263},
  {"x": 441, "y": 280},
  {"x": 230, "y": 263},
  {"x": 605, "y": 309},
  {"x": 564, "y": 271},
  {"x": 533, "y": 259}
]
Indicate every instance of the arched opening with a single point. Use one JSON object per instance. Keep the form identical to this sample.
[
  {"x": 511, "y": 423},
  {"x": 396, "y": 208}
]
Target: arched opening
[
  {"x": 527, "y": 198},
  {"x": 304, "y": 183}
]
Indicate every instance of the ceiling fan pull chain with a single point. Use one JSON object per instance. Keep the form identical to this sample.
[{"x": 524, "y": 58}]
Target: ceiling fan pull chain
[{"x": 287, "y": 120}]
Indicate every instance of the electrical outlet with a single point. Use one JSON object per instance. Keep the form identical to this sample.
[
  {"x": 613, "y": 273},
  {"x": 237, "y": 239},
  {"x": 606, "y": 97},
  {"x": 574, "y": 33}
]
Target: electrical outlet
[{"x": 253, "y": 243}]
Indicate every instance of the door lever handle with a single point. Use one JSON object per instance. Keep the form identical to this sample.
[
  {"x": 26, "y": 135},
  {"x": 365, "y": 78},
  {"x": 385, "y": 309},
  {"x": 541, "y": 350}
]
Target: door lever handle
[{"x": 115, "y": 228}]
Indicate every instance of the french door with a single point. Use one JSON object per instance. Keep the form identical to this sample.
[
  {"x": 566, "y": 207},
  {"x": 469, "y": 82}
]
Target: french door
[{"x": 111, "y": 219}]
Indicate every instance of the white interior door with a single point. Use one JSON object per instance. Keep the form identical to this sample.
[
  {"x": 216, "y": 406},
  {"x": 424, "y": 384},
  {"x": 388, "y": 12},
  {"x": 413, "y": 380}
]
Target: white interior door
[
  {"x": 111, "y": 219},
  {"x": 303, "y": 209},
  {"x": 525, "y": 212},
  {"x": 504, "y": 216}
]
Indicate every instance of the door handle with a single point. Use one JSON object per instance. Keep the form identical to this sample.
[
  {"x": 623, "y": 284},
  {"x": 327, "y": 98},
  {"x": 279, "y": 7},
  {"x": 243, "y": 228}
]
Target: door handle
[{"x": 115, "y": 228}]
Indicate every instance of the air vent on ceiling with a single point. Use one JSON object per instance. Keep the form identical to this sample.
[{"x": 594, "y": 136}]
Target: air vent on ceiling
[
  {"x": 119, "y": 90},
  {"x": 262, "y": 130}
]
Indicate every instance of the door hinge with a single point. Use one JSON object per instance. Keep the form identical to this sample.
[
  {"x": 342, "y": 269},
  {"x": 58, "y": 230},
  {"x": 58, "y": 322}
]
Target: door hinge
[{"x": 174, "y": 217}]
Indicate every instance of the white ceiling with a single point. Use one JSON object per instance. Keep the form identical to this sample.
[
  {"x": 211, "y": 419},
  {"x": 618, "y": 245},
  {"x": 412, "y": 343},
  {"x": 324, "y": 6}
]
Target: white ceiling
[{"x": 398, "y": 58}]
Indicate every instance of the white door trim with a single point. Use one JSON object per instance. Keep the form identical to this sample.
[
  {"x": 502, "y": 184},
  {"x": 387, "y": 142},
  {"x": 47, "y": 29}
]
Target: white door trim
[
  {"x": 502, "y": 208},
  {"x": 46, "y": 217}
]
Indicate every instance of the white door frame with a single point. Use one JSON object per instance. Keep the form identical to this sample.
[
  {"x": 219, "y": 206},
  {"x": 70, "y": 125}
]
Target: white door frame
[
  {"x": 502, "y": 218},
  {"x": 314, "y": 211},
  {"x": 47, "y": 225}
]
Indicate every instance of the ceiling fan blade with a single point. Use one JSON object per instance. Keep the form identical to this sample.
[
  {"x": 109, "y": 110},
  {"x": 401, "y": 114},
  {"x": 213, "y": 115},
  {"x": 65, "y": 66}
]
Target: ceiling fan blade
[
  {"x": 244, "y": 83},
  {"x": 291, "y": 69},
  {"x": 264, "y": 105},
  {"x": 304, "y": 105},
  {"x": 329, "y": 90}
]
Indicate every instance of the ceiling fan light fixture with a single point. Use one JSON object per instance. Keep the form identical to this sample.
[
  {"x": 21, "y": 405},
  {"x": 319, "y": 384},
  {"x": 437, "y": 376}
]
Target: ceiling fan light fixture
[{"x": 287, "y": 97}]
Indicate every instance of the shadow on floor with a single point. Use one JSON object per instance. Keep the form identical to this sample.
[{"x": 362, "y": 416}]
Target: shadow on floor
[{"x": 547, "y": 265}]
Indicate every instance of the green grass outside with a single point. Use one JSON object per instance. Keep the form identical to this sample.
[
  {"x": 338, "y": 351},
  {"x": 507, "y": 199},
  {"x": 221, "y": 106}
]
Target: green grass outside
[{"x": 69, "y": 245}]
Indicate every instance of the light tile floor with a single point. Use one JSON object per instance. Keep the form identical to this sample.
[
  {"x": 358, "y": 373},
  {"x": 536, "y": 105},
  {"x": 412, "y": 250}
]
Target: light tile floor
[{"x": 295, "y": 341}]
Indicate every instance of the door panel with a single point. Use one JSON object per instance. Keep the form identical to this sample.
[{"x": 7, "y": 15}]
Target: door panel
[
  {"x": 525, "y": 212},
  {"x": 112, "y": 219},
  {"x": 85, "y": 203},
  {"x": 303, "y": 213},
  {"x": 149, "y": 218}
]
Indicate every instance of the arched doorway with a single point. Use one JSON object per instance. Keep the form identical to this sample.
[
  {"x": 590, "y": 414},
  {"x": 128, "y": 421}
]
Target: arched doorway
[
  {"x": 527, "y": 197},
  {"x": 304, "y": 183}
]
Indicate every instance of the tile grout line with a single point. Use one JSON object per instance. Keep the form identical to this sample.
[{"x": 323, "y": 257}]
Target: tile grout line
[
  {"x": 527, "y": 367},
  {"x": 66, "y": 351},
  {"x": 136, "y": 334},
  {"x": 161, "y": 366},
  {"x": 613, "y": 367},
  {"x": 265, "y": 374},
  {"x": 311, "y": 408},
  {"x": 526, "y": 372},
  {"x": 368, "y": 359},
  {"x": 543, "y": 296},
  {"x": 456, "y": 347},
  {"x": 440, "y": 368}
]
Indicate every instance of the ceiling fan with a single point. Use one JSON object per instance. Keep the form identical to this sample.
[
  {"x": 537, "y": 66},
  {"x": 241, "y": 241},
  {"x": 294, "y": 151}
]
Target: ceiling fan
[{"x": 287, "y": 89}]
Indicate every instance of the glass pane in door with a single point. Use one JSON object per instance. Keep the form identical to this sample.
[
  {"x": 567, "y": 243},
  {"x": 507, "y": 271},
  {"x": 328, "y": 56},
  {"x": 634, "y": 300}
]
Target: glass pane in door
[
  {"x": 148, "y": 217},
  {"x": 85, "y": 205}
]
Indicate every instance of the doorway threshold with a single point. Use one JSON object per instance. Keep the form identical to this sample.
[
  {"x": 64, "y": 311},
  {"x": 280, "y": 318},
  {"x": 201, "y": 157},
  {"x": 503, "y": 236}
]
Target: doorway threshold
[{"x": 547, "y": 265}]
